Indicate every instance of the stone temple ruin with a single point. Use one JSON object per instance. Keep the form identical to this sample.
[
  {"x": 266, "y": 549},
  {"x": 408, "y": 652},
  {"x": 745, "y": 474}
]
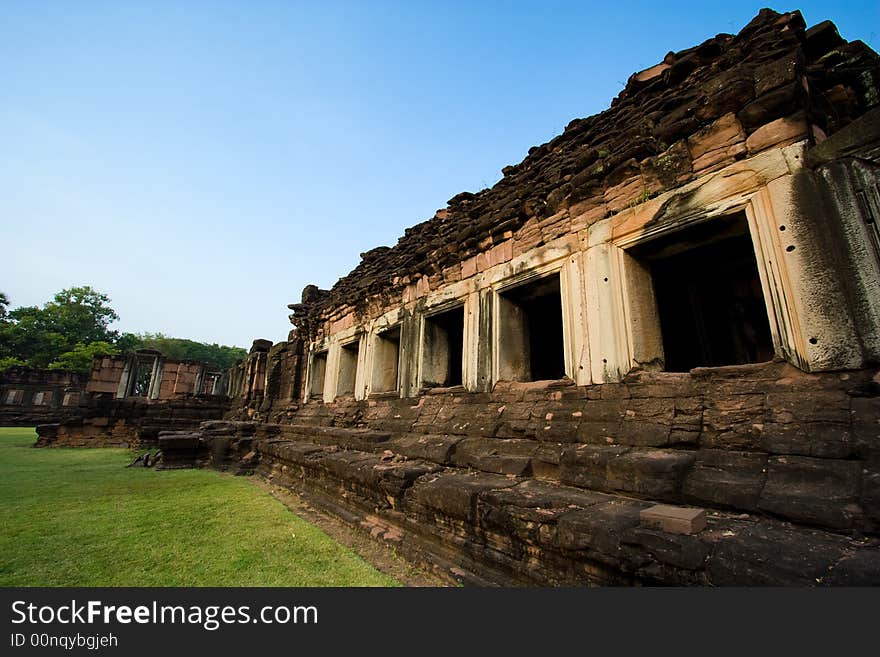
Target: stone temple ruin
[
  {"x": 29, "y": 396},
  {"x": 648, "y": 355},
  {"x": 128, "y": 400}
]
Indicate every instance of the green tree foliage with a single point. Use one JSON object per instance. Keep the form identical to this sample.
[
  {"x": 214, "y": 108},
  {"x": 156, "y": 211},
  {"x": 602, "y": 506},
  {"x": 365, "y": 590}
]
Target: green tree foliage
[
  {"x": 78, "y": 315},
  {"x": 82, "y": 314},
  {"x": 79, "y": 359},
  {"x": 219, "y": 356},
  {"x": 128, "y": 342},
  {"x": 10, "y": 361},
  {"x": 69, "y": 330}
]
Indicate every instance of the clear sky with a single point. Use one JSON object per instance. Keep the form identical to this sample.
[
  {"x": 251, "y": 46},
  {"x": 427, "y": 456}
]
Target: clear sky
[{"x": 201, "y": 162}]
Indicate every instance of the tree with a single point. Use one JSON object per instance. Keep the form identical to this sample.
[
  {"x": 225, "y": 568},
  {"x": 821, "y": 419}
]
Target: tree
[
  {"x": 128, "y": 342},
  {"x": 81, "y": 314},
  {"x": 9, "y": 361},
  {"x": 39, "y": 336},
  {"x": 219, "y": 356},
  {"x": 75, "y": 326},
  {"x": 79, "y": 359},
  {"x": 28, "y": 338}
]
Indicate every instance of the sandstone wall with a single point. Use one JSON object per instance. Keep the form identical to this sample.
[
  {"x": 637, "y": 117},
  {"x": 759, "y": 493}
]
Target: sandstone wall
[
  {"x": 132, "y": 422},
  {"x": 545, "y": 482},
  {"x": 538, "y": 484},
  {"x": 29, "y": 397}
]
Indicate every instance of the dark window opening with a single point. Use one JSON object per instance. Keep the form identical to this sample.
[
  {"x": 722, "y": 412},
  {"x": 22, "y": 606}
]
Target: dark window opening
[
  {"x": 42, "y": 398},
  {"x": 531, "y": 343},
  {"x": 348, "y": 360},
  {"x": 386, "y": 358},
  {"x": 319, "y": 371},
  {"x": 143, "y": 376},
  {"x": 443, "y": 348},
  {"x": 709, "y": 297}
]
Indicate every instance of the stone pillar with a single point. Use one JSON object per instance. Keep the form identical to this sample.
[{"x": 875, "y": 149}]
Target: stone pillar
[
  {"x": 125, "y": 381},
  {"x": 156, "y": 377},
  {"x": 483, "y": 381},
  {"x": 609, "y": 358}
]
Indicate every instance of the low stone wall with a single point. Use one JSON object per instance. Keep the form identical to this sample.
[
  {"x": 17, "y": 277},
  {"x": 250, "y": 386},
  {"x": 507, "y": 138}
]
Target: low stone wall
[
  {"x": 29, "y": 397},
  {"x": 129, "y": 422},
  {"x": 545, "y": 484},
  {"x": 31, "y": 416}
]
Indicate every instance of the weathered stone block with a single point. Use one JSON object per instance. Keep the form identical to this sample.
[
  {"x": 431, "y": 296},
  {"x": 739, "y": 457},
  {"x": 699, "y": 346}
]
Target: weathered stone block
[
  {"x": 587, "y": 465},
  {"x": 495, "y": 455},
  {"x": 601, "y": 420},
  {"x": 861, "y": 568},
  {"x": 351, "y": 467},
  {"x": 776, "y": 73},
  {"x": 643, "y": 434},
  {"x": 545, "y": 462},
  {"x": 671, "y": 167},
  {"x": 652, "y": 472},
  {"x": 866, "y": 427},
  {"x": 719, "y": 134},
  {"x": 820, "y": 491},
  {"x": 733, "y": 421},
  {"x": 294, "y": 453},
  {"x": 725, "y": 93},
  {"x": 777, "y": 133},
  {"x": 538, "y": 494},
  {"x": 436, "y": 448},
  {"x": 819, "y": 439},
  {"x": 395, "y": 478},
  {"x": 752, "y": 554},
  {"x": 673, "y": 519},
  {"x": 727, "y": 478},
  {"x": 870, "y": 498},
  {"x": 455, "y": 494},
  {"x": 770, "y": 106},
  {"x": 619, "y": 197},
  {"x": 650, "y": 409},
  {"x": 676, "y": 550},
  {"x": 559, "y": 431},
  {"x": 176, "y": 442},
  {"x": 829, "y": 406},
  {"x": 647, "y": 422},
  {"x": 600, "y": 527}
]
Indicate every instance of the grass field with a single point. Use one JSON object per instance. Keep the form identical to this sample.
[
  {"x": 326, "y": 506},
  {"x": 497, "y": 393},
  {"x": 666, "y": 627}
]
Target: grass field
[{"x": 77, "y": 517}]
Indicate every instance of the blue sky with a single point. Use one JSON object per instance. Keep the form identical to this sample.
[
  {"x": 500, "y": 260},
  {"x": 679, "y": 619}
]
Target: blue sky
[{"x": 201, "y": 162}]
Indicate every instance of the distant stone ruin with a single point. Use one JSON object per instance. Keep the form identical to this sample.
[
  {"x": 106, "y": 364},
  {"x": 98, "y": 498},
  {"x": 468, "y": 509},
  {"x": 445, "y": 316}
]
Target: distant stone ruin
[
  {"x": 128, "y": 400},
  {"x": 31, "y": 396}
]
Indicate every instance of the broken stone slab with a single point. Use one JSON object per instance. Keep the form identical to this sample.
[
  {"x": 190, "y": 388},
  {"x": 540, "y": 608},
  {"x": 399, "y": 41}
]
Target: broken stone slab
[
  {"x": 673, "y": 519},
  {"x": 142, "y": 461},
  {"x": 599, "y": 527},
  {"x": 179, "y": 441},
  {"x": 681, "y": 551},
  {"x": 509, "y": 456},
  {"x": 436, "y": 448},
  {"x": 455, "y": 493},
  {"x": 747, "y": 553}
]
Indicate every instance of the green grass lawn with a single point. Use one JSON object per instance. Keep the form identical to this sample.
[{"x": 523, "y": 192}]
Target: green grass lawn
[{"x": 78, "y": 517}]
